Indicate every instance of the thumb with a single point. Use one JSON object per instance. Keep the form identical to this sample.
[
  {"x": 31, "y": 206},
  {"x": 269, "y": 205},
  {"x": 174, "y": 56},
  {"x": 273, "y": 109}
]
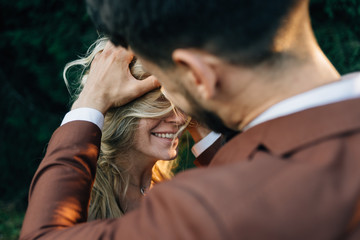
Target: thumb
[{"x": 147, "y": 85}]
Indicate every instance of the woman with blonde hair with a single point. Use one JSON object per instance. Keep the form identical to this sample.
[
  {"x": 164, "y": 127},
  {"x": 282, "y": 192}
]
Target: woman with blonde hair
[{"x": 134, "y": 137}]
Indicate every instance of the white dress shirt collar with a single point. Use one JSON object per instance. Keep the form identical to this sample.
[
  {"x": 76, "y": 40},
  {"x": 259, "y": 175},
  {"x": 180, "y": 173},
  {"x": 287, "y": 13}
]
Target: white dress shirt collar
[{"x": 346, "y": 88}]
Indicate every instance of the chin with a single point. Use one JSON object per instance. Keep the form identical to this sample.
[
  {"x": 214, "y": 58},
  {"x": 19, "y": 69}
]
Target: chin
[
  {"x": 172, "y": 155},
  {"x": 170, "y": 158}
]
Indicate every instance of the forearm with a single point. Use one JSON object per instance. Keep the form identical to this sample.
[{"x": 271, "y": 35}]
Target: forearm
[{"x": 60, "y": 190}]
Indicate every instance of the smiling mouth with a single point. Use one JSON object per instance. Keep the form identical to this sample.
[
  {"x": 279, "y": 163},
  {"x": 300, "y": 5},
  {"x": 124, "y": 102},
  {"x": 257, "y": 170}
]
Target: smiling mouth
[{"x": 165, "y": 135}]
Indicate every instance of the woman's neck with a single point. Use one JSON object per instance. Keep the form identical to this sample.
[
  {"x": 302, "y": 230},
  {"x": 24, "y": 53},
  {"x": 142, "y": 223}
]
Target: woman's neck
[{"x": 140, "y": 174}]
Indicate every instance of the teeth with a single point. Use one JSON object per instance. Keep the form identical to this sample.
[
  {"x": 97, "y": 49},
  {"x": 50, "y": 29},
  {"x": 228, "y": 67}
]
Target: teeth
[{"x": 165, "y": 135}]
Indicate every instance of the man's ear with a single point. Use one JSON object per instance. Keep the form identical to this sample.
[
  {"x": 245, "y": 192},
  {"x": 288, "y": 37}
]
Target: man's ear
[{"x": 203, "y": 75}]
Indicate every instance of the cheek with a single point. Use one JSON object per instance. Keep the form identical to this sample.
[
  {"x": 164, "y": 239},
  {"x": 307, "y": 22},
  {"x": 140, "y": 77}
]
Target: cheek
[
  {"x": 146, "y": 125},
  {"x": 141, "y": 131}
]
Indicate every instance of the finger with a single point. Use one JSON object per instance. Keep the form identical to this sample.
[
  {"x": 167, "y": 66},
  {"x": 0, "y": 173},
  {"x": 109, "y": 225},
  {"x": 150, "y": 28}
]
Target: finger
[
  {"x": 193, "y": 124},
  {"x": 146, "y": 85},
  {"x": 109, "y": 46},
  {"x": 125, "y": 55},
  {"x": 120, "y": 53},
  {"x": 96, "y": 58}
]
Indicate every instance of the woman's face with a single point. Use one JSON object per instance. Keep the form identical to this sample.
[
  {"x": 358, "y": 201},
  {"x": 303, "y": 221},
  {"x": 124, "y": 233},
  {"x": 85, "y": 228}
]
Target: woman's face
[{"x": 154, "y": 138}]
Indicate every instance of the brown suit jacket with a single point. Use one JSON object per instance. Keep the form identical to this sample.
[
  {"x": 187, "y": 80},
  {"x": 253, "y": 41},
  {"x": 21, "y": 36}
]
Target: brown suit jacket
[{"x": 294, "y": 177}]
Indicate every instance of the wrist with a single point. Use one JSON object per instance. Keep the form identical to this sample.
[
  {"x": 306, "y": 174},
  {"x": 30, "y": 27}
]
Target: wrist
[{"x": 93, "y": 102}]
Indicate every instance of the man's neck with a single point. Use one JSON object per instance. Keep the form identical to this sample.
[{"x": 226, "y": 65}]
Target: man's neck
[
  {"x": 303, "y": 79},
  {"x": 251, "y": 91}
]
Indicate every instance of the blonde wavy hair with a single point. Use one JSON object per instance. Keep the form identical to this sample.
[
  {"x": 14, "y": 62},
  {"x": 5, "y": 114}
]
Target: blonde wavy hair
[{"x": 112, "y": 174}]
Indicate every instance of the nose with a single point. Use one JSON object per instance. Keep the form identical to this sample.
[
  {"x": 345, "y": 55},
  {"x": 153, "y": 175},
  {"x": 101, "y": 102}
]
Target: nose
[{"x": 176, "y": 117}]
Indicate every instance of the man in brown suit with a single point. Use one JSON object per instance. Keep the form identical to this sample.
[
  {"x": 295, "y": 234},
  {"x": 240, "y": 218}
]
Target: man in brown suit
[{"x": 251, "y": 66}]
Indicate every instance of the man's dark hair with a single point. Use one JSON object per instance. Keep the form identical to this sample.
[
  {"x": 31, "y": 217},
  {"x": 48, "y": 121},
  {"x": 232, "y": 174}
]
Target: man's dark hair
[{"x": 239, "y": 31}]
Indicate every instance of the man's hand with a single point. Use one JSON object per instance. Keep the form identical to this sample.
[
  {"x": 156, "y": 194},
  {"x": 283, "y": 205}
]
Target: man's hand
[
  {"x": 197, "y": 131},
  {"x": 110, "y": 83}
]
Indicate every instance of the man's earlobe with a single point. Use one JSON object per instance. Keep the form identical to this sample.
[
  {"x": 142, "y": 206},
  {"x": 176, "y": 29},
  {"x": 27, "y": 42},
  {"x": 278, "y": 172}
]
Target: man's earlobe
[{"x": 203, "y": 77}]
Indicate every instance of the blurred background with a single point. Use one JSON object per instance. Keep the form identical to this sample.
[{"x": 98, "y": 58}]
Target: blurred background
[{"x": 37, "y": 39}]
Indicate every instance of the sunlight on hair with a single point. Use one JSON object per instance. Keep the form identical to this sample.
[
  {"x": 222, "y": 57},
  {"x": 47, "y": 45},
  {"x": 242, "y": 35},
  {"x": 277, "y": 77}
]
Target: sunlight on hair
[{"x": 113, "y": 167}]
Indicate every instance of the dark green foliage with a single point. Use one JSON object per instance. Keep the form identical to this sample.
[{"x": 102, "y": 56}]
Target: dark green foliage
[
  {"x": 37, "y": 39},
  {"x": 10, "y": 221},
  {"x": 337, "y": 28},
  {"x": 185, "y": 155}
]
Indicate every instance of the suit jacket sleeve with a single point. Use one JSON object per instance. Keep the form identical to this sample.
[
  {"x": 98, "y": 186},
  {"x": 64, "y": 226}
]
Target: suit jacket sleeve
[
  {"x": 60, "y": 191},
  {"x": 265, "y": 197}
]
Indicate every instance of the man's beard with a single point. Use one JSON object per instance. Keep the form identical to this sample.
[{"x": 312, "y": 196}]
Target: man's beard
[{"x": 208, "y": 119}]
